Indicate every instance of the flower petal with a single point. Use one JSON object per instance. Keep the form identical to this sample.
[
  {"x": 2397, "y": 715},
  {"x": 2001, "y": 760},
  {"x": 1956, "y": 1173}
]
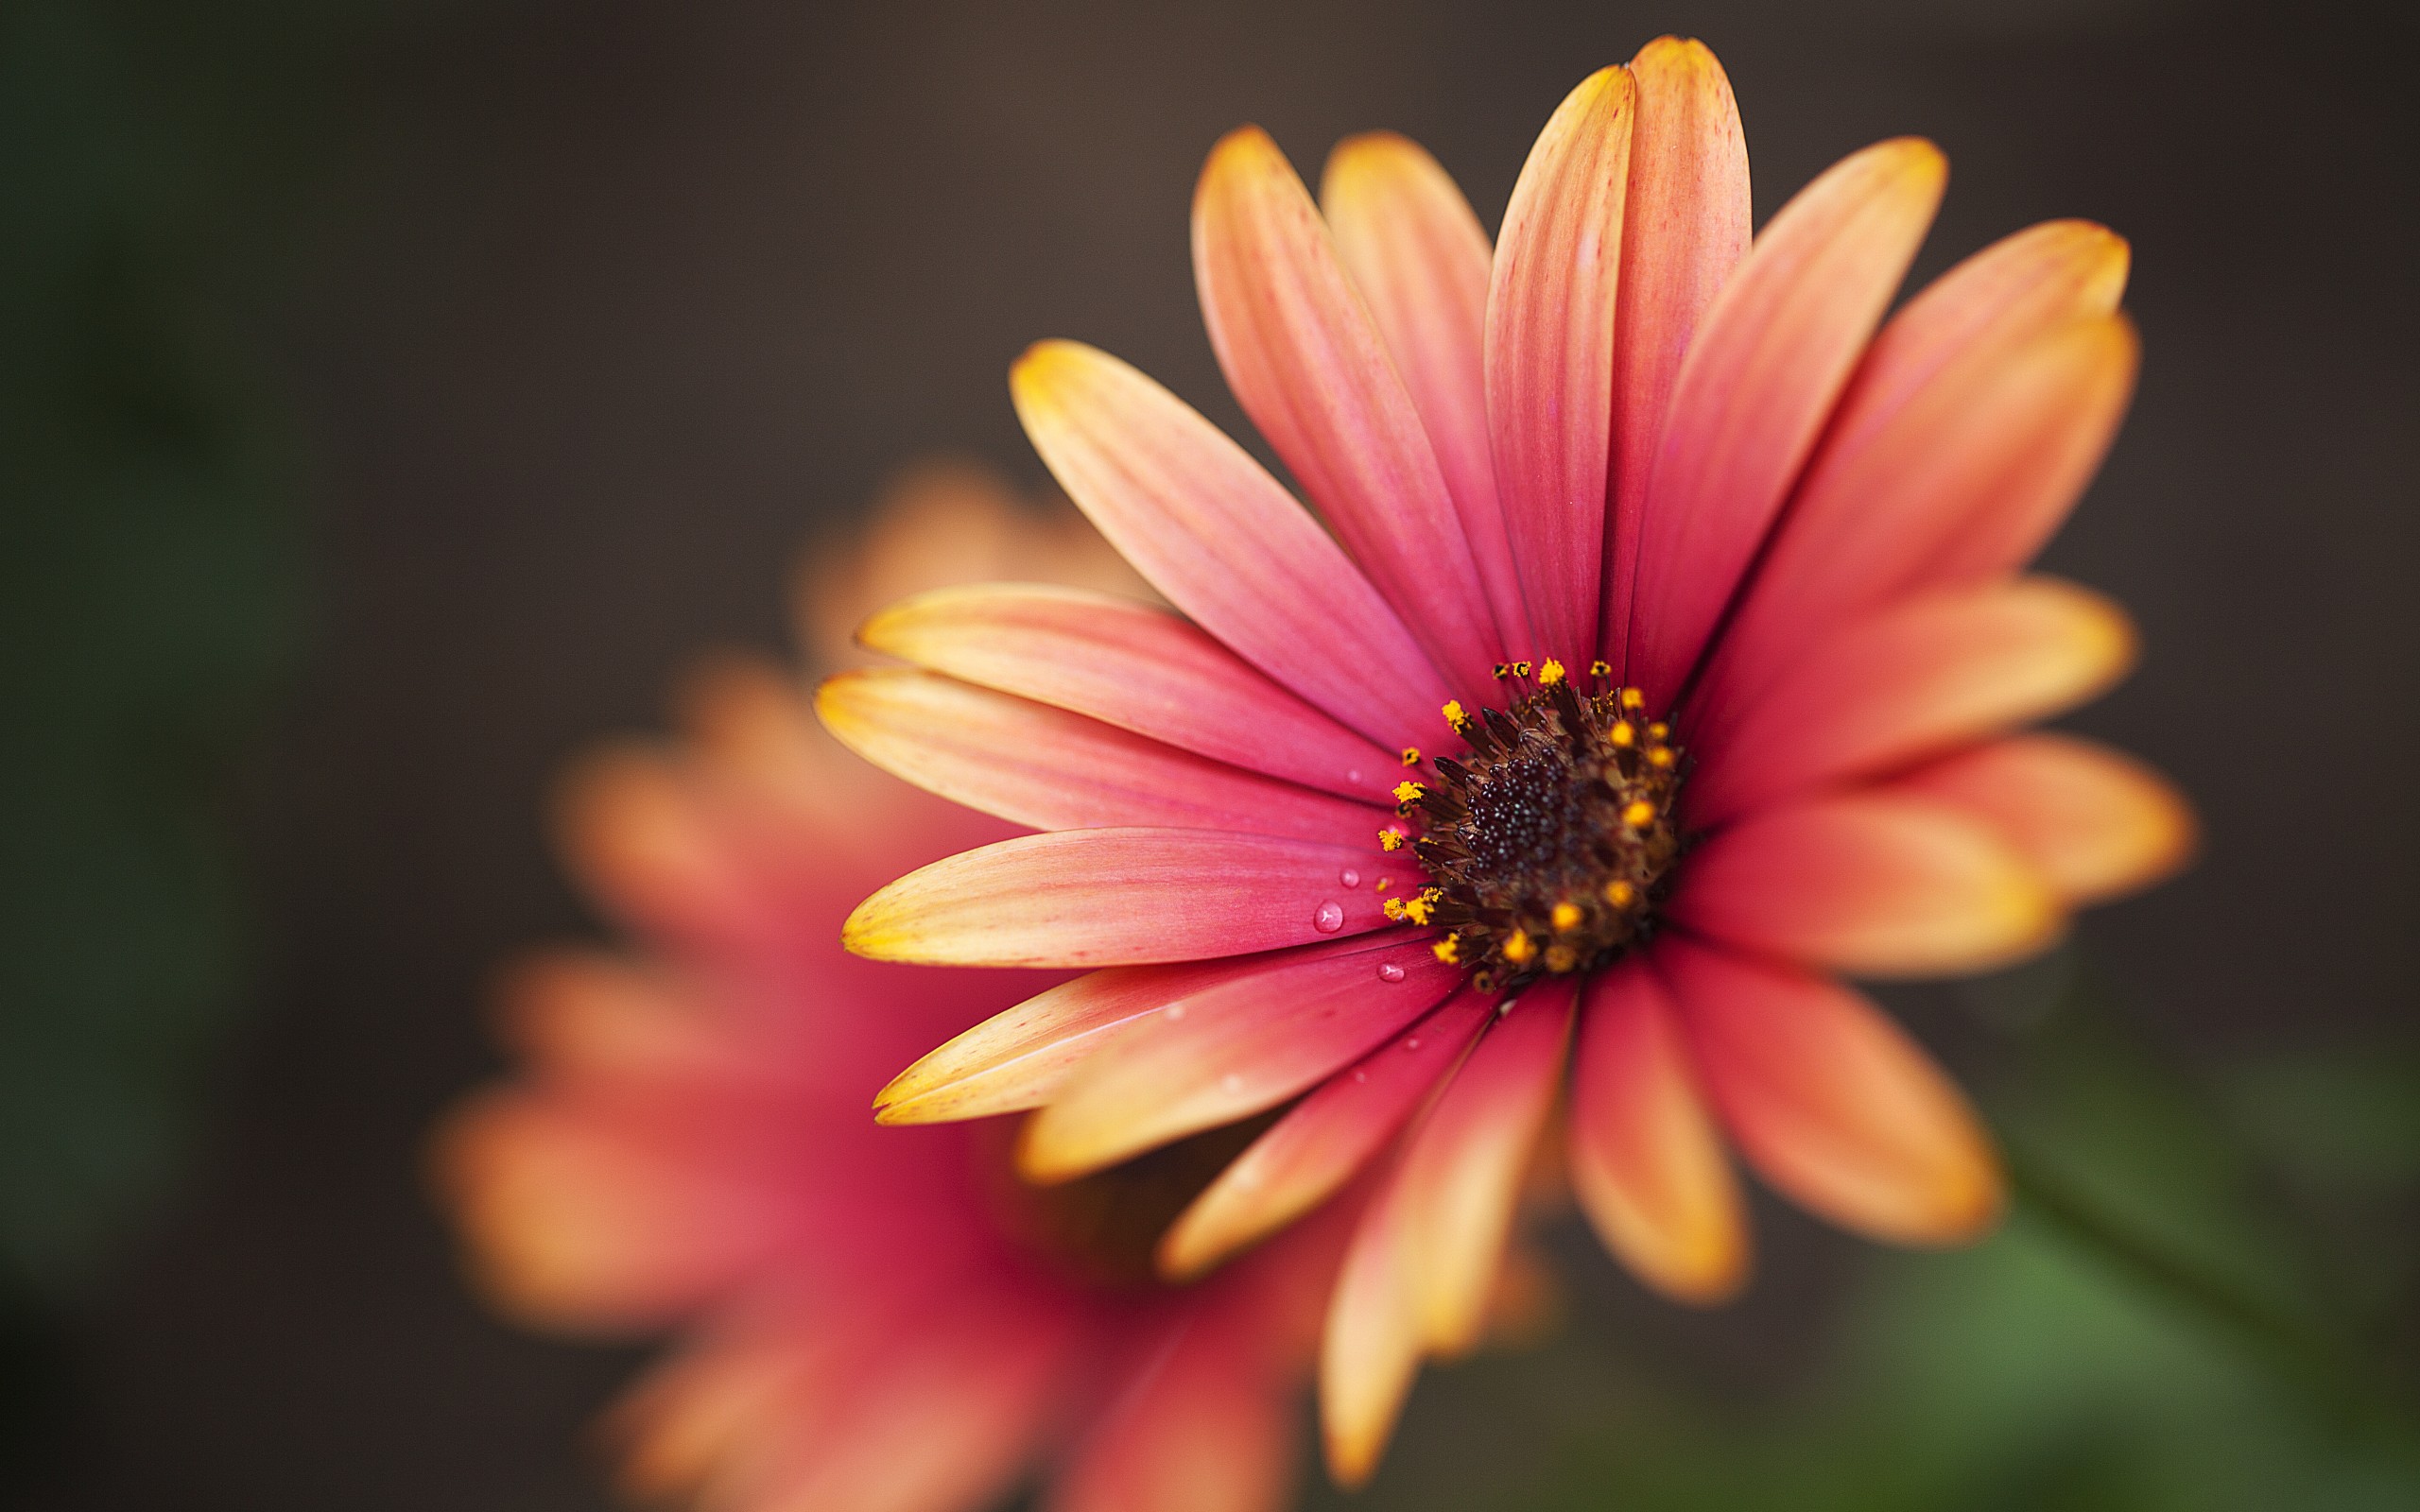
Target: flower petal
[
  {"x": 1050, "y": 769},
  {"x": 1462, "y": 1169},
  {"x": 1873, "y": 884},
  {"x": 1957, "y": 484},
  {"x": 1131, "y": 665},
  {"x": 1307, "y": 365},
  {"x": 1215, "y": 533},
  {"x": 2096, "y": 823},
  {"x": 1323, "y": 1142},
  {"x": 1924, "y": 675},
  {"x": 1420, "y": 258},
  {"x": 1200, "y": 1428},
  {"x": 1233, "y": 1047},
  {"x": 1549, "y": 357},
  {"x": 1370, "y": 1350},
  {"x": 1685, "y": 229},
  {"x": 1769, "y": 360},
  {"x": 1832, "y": 1103},
  {"x": 1126, "y": 897},
  {"x": 1646, "y": 1161},
  {"x": 1022, "y": 1057}
]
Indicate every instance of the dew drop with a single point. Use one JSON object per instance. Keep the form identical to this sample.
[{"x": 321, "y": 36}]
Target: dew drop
[
  {"x": 1231, "y": 1084},
  {"x": 1329, "y": 918},
  {"x": 1412, "y": 1043},
  {"x": 1176, "y": 1012},
  {"x": 1354, "y": 776},
  {"x": 1361, "y": 1076},
  {"x": 1389, "y": 971},
  {"x": 1349, "y": 877}
]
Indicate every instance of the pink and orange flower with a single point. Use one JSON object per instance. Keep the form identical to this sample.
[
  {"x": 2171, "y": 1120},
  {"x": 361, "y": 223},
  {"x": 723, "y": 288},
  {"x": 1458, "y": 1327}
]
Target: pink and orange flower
[
  {"x": 876, "y": 1320},
  {"x": 1656, "y": 658}
]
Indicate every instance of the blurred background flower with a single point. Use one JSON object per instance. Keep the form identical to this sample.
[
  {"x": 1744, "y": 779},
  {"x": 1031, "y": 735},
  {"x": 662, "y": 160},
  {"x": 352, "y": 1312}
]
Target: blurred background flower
[{"x": 526, "y": 339}]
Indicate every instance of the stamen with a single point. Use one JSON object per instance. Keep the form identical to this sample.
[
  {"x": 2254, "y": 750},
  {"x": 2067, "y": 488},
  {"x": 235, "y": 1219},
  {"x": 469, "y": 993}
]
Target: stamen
[{"x": 1412, "y": 755}]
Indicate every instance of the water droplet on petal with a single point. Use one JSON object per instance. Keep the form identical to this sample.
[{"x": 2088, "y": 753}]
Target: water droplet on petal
[
  {"x": 1361, "y": 1076},
  {"x": 1349, "y": 877},
  {"x": 1231, "y": 1084},
  {"x": 1412, "y": 1043},
  {"x": 1176, "y": 1012},
  {"x": 1389, "y": 971},
  {"x": 1329, "y": 918},
  {"x": 1354, "y": 776}
]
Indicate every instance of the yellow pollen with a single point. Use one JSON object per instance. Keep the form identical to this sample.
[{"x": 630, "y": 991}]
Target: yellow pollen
[
  {"x": 1390, "y": 839},
  {"x": 1520, "y": 669},
  {"x": 1447, "y": 950},
  {"x": 1503, "y": 670},
  {"x": 1659, "y": 731},
  {"x": 1660, "y": 756},
  {"x": 1622, "y": 734},
  {"x": 1412, "y": 755},
  {"x": 1639, "y": 815},
  {"x": 1393, "y": 909},
  {"x": 1566, "y": 916},
  {"x": 1549, "y": 672},
  {"x": 1601, "y": 668},
  {"x": 1455, "y": 714},
  {"x": 1518, "y": 948},
  {"x": 1408, "y": 792},
  {"x": 1632, "y": 698},
  {"x": 1384, "y": 883},
  {"x": 1419, "y": 910},
  {"x": 1620, "y": 893},
  {"x": 1561, "y": 958}
]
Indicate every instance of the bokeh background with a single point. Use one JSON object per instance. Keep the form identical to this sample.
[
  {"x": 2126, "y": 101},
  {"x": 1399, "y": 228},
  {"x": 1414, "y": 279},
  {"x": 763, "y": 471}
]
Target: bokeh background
[{"x": 394, "y": 396}]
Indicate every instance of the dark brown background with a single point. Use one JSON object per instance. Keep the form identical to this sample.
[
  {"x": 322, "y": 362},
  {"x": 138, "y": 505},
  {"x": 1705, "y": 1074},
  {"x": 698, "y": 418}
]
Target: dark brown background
[{"x": 602, "y": 307}]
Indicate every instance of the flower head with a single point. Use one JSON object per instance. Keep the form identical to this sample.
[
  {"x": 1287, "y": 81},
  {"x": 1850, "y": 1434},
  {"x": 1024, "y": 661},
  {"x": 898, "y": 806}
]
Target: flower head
[
  {"x": 867, "y": 1316},
  {"x": 1700, "y": 596}
]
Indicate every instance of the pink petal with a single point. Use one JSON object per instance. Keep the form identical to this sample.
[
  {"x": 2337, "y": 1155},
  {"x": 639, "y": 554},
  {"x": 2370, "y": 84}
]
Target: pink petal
[
  {"x": 1024, "y": 1057},
  {"x": 1215, "y": 533},
  {"x": 1462, "y": 1169},
  {"x": 1924, "y": 675},
  {"x": 1550, "y": 330},
  {"x": 1131, "y": 665},
  {"x": 1127, "y": 897},
  {"x": 1957, "y": 485},
  {"x": 1309, "y": 366},
  {"x": 1646, "y": 1161},
  {"x": 1051, "y": 770},
  {"x": 1232, "y": 1048},
  {"x": 1769, "y": 360},
  {"x": 1831, "y": 1103},
  {"x": 1872, "y": 884},
  {"x": 1685, "y": 229},
  {"x": 1369, "y": 1352},
  {"x": 1308, "y": 1155},
  {"x": 1420, "y": 259},
  {"x": 2094, "y": 822},
  {"x": 1201, "y": 1428}
]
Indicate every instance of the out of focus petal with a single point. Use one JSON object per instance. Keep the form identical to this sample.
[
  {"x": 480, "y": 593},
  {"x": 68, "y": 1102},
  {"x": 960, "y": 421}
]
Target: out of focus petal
[
  {"x": 1549, "y": 357},
  {"x": 1198, "y": 1429},
  {"x": 2093, "y": 822},
  {"x": 1127, "y": 897},
  {"x": 1760, "y": 379},
  {"x": 1832, "y": 1103},
  {"x": 1212, "y": 530},
  {"x": 1369, "y": 1352},
  {"x": 1646, "y": 1161},
  {"x": 1873, "y": 884}
]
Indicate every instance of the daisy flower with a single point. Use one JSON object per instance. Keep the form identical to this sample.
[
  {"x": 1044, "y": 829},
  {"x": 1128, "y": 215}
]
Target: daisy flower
[
  {"x": 870, "y": 1319},
  {"x": 1656, "y": 658}
]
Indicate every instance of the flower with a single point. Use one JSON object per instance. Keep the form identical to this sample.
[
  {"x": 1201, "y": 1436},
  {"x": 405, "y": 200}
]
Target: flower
[
  {"x": 871, "y": 1318},
  {"x": 1661, "y": 662}
]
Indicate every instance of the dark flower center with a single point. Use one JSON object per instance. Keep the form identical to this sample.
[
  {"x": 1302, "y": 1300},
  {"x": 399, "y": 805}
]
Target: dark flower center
[
  {"x": 1550, "y": 841},
  {"x": 1103, "y": 1229}
]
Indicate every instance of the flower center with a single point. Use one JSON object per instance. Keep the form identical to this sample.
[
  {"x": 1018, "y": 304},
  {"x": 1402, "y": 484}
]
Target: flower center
[
  {"x": 1103, "y": 1229},
  {"x": 1550, "y": 840}
]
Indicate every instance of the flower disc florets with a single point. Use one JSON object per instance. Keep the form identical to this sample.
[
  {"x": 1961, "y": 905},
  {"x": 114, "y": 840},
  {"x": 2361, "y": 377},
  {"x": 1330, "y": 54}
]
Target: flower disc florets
[{"x": 1550, "y": 840}]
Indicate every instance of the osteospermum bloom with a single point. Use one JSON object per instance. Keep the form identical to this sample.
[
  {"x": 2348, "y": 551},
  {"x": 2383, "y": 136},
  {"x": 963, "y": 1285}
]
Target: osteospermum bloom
[
  {"x": 872, "y": 1319},
  {"x": 1655, "y": 659}
]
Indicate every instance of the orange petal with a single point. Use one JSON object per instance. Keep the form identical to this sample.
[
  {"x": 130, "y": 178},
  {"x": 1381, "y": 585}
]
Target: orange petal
[
  {"x": 1833, "y": 1104},
  {"x": 2096, "y": 823},
  {"x": 1309, "y": 366},
  {"x": 1873, "y": 884},
  {"x": 1684, "y": 231},
  {"x": 1214, "y": 532},
  {"x": 1132, "y": 665},
  {"x": 1925, "y": 675},
  {"x": 1202, "y": 1427},
  {"x": 1462, "y": 1169},
  {"x": 1323, "y": 1142},
  {"x": 1370, "y": 1350},
  {"x": 1551, "y": 329},
  {"x": 1759, "y": 381},
  {"x": 587, "y": 1016},
  {"x": 1050, "y": 769},
  {"x": 1235, "y": 1047},
  {"x": 1420, "y": 258},
  {"x": 1646, "y": 1162},
  {"x": 1127, "y": 897}
]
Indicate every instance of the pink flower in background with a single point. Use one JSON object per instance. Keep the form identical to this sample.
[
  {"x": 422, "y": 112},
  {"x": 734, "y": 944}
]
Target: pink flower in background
[
  {"x": 871, "y": 1319},
  {"x": 1655, "y": 659}
]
